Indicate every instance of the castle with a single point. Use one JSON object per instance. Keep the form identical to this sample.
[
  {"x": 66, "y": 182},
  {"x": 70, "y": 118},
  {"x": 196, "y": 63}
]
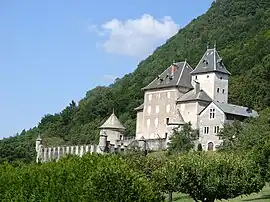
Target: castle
[{"x": 177, "y": 96}]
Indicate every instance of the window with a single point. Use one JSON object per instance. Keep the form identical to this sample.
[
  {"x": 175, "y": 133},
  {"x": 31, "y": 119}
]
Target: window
[
  {"x": 206, "y": 130},
  {"x": 221, "y": 78},
  {"x": 196, "y": 77},
  {"x": 158, "y": 96},
  {"x": 156, "y": 122},
  {"x": 148, "y": 123},
  {"x": 168, "y": 95},
  {"x": 157, "y": 109},
  {"x": 216, "y": 129},
  {"x": 168, "y": 108},
  {"x": 218, "y": 90},
  {"x": 223, "y": 91},
  {"x": 167, "y": 121},
  {"x": 149, "y": 109},
  {"x": 207, "y": 76},
  {"x": 212, "y": 113},
  {"x": 150, "y": 97}
]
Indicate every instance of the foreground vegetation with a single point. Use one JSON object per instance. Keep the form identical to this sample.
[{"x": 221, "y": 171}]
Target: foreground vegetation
[
  {"x": 239, "y": 168},
  {"x": 241, "y": 30}
]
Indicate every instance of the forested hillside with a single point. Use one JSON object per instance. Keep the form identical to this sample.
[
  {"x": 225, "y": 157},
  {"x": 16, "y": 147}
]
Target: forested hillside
[{"x": 241, "y": 29}]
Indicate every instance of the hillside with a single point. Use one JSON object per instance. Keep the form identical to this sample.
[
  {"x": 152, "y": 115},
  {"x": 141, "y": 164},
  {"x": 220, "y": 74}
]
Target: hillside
[{"x": 241, "y": 29}]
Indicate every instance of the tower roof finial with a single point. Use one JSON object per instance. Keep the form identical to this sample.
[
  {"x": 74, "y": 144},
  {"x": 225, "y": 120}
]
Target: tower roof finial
[
  {"x": 113, "y": 111},
  {"x": 215, "y": 44},
  {"x": 207, "y": 46}
]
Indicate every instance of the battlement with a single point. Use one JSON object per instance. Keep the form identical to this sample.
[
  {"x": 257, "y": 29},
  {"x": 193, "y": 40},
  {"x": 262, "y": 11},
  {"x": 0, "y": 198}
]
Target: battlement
[{"x": 47, "y": 154}]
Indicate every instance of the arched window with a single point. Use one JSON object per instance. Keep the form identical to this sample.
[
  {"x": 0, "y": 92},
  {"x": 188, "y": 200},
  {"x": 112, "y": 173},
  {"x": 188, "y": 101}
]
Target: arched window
[{"x": 210, "y": 146}]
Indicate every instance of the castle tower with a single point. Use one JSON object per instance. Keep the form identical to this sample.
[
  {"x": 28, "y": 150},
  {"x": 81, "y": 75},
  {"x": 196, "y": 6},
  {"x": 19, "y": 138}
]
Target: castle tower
[
  {"x": 212, "y": 75},
  {"x": 113, "y": 128},
  {"x": 38, "y": 148},
  {"x": 38, "y": 143}
]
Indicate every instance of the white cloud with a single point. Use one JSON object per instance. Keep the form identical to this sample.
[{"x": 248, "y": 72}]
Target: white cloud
[{"x": 135, "y": 37}]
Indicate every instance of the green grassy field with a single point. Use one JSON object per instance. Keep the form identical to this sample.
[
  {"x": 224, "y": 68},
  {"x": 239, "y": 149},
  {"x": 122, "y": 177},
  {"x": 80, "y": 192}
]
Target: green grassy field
[{"x": 263, "y": 196}]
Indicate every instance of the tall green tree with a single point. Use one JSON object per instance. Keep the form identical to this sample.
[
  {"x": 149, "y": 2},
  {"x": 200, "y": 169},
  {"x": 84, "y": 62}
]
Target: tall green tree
[{"x": 182, "y": 140}]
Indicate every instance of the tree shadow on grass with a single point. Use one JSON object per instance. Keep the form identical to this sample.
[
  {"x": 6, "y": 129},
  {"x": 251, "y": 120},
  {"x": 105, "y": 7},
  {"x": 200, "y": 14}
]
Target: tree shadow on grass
[{"x": 263, "y": 197}]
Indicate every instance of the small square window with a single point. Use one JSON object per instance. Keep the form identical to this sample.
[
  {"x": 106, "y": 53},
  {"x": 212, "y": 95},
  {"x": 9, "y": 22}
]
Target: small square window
[{"x": 221, "y": 78}]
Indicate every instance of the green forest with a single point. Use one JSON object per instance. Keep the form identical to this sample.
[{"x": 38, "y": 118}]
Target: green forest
[{"x": 241, "y": 29}]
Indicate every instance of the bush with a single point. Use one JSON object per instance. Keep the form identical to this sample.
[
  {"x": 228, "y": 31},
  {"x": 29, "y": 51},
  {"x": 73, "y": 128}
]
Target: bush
[{"x": 90, "y": 178}]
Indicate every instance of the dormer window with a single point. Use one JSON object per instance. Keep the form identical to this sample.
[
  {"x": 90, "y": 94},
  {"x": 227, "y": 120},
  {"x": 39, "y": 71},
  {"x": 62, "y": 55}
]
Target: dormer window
[{"x": 205, "y": 62}]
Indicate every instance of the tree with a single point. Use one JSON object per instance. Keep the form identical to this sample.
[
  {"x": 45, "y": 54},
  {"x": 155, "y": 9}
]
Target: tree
[
  {"x": 209, "y": 177},
  {"x": 183, "y": 140}
]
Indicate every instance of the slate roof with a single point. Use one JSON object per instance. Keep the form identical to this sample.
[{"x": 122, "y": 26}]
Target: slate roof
[
  {"x": 180, "y": 77},
  {"x": 112, "y": 123},
  {"x": 236, "y": 110},
  {"x": 194, "y": 96},
  {"x": 140, "y": 107},
  {"x": 210, "y": 62}
]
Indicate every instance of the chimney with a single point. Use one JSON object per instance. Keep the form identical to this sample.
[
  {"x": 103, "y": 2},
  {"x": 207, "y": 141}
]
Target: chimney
[
  {"x": 197, "y": 87},
  {"x": 173, "y": 69}
]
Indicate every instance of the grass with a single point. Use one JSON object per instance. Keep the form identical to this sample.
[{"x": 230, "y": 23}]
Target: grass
[{"x": 263, "y": 196}]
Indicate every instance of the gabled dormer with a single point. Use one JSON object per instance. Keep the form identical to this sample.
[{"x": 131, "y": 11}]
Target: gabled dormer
[{"x": 212, "y": 75}]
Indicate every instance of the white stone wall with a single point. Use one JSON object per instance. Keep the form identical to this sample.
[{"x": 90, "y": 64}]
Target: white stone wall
[
  {"x": 189, "y": 112},
  {"x": 205, "y": 121},
  {"x": 221, "y": 83},
  {"x": 46, "y": 154},
  {"x": 214, "y": 84},
  {"x": 139, "y": 124},
  {"x": 206, "y": 83},
  {"x": 158, "y": 106}
]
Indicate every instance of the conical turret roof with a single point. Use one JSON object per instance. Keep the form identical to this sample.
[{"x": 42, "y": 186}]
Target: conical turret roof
[{"x": 112, "y": 123}]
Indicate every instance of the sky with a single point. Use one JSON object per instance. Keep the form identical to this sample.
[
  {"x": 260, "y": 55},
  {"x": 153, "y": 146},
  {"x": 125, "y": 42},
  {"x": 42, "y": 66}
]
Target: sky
[{"x": 53, "y": 52}]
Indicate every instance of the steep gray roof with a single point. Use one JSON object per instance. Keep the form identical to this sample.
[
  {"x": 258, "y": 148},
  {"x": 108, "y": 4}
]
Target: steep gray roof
[
  {"x": 236, "y": 110},
  {"x": 140, "y": 107},
  {"x": 177, "y": 119},
  {"x": 112, "y": 123},
  {"x": 193, "y": 95},
  {"x": 210, "y": 62},
  {"x": 178, "y": 74}
]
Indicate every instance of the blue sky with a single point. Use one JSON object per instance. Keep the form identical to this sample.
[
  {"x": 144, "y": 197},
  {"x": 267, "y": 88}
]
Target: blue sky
[{"x": 52, "y": 52}]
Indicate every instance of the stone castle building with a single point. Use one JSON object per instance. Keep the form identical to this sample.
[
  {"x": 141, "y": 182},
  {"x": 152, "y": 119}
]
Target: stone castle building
[
  {"x": 177, "y": 96},
  {"x": 182, "y": 94}
]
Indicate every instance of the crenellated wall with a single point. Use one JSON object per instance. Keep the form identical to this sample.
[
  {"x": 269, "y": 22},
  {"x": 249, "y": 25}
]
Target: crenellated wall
[{"x": 46, "y": 154}]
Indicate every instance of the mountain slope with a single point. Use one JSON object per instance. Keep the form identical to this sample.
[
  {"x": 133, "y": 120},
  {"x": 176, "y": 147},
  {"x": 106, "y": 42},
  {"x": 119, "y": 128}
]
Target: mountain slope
[{"x": 241, "y": 29}]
